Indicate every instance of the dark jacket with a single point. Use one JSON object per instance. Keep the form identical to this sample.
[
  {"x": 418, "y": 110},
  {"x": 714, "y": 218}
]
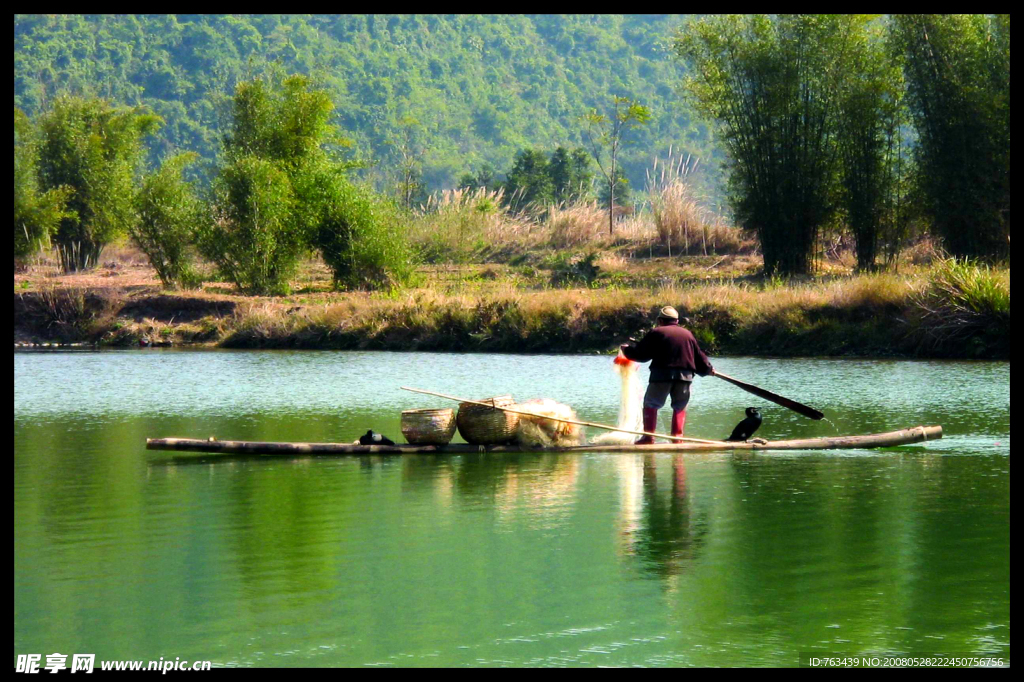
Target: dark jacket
[{"x": 673, "y": 352}]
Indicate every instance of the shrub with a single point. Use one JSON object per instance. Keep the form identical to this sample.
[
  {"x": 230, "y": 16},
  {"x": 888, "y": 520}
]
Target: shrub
[
  {"x": 253, "y": 239},
  {"x": 568, "y": 270},
  {"x": 168, "y": 216},
  {"x": 358, "y": 240}
]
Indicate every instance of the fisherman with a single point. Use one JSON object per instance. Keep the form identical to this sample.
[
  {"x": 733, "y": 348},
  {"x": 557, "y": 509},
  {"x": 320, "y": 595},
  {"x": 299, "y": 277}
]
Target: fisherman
[{"x": 675, "y": 357}]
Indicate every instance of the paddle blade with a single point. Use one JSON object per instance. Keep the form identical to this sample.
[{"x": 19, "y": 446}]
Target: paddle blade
[{"x": 799, "y": 408}]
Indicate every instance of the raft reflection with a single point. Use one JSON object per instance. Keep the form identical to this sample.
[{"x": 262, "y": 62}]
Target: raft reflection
[{"x": 655, "y": 521}]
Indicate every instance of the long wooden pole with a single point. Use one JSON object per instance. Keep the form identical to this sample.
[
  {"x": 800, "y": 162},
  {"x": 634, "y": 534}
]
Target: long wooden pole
[
  {"x": 773, "y": 397},
  {"x": 245, "y": 448},
  {"x": 567, "y": 421}
]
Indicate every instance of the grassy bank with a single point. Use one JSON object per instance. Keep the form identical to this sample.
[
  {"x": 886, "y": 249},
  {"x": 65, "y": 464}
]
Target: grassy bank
[{"x": 948, "y": 309}]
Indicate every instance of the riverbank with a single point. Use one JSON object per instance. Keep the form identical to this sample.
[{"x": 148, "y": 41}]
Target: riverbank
[{"x": 945, "y": 310}]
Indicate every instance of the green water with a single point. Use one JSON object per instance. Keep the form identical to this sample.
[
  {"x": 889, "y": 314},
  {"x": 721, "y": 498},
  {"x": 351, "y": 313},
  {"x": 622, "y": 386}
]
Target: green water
[{"x": 531, "y": 559}]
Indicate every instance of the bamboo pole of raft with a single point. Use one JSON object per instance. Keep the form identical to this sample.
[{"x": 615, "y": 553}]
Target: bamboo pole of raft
[
  {"x": 222, "y": 448},
  {"x": 606, "y": 427}
]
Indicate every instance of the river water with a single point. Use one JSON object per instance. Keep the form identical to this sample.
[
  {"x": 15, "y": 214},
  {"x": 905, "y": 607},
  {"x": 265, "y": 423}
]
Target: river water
[{"x": 514, "y": 559}]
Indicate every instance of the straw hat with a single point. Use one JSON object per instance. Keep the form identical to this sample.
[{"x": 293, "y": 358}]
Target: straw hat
[{"x": 668, "y": 313}]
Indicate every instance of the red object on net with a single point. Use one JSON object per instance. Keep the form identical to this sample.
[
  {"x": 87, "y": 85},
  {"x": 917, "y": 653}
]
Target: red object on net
[{"x": 621, "y": 359}]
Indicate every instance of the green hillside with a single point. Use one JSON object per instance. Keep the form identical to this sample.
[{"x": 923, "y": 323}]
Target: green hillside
[{"x": 473, "y": 89}]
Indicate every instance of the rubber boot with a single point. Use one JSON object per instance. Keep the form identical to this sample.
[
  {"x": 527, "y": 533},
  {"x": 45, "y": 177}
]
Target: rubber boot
[
  {"x": 650, "y": 424},
  {"x": 678, "y": 422}
]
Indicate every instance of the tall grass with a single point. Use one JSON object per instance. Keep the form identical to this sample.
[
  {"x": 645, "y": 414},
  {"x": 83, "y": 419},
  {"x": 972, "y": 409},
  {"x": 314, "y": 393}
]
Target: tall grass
[
  {"x": 683, "y": 224},
  {"x": 965, "y": 302},
  {"x": 455, "y": 224},
  {"x": 577, "y": 224}
]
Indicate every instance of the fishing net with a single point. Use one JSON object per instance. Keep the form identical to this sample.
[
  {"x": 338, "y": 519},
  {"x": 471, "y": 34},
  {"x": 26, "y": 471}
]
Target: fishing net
[
  {"x": 630, "y": 404},
  {"x": 537, "y": 431}
]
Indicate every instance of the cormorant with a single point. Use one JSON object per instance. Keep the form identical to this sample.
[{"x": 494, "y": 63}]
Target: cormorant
[
  {"x": 371, "y": 438},
  {"x": 745, "y": 429}
]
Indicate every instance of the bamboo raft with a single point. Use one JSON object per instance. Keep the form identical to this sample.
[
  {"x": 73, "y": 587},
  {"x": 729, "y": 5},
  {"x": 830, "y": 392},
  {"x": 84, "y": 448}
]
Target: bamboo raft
[{"x": 916, "y": 434}]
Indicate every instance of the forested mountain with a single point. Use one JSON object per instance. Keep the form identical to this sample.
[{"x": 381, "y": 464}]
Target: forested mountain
[{"x": 459, "y": 91}]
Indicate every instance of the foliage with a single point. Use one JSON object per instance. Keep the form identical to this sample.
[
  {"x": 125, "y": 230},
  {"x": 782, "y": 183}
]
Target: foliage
[
  {"x": 36, "y": 214},
  {"x": 253, "y": 240},
  {"x": 96, "y": 150},
  {"x": 571, "y": 174},
  {"x": 286, "y": 122},
  {"x": 357, "y": 241},
  {"x": 569, "y": 270},
  {"x": 528, "y": 184},
  {"x": 481, "y": 86},
  {"x": 284, "y": 190},
  {"x": 169, "y": 216},
  {"x": 609, "y": 132},
  {"x": 958, "y": 79},
  {"x": 773, "y": 83}
]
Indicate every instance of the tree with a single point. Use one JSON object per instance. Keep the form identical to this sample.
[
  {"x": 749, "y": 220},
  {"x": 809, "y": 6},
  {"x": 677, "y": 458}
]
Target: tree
[
  {"x": 773, "y": 84},
  {"x": 604, "y": 196},
  {"x": 528, "y": 184},
  {"x": 408, "y": 152},
  {"x": 608, "y": 132},
  {"x": 96, "y": 150},
  {"x": 870, "y": 139},
  {"x": 485, "y": 178},
  {"x": 957, "y": 69},
  {"x": 36, "y": 214},
  {"x": 169, "y": 216},
  {"x": 571, "y": 175}
]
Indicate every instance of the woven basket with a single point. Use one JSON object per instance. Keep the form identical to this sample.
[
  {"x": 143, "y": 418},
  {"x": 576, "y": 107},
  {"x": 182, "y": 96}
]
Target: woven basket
[
  {"x": 481, "y": 425},
  {"x": 428, "y": 427}
]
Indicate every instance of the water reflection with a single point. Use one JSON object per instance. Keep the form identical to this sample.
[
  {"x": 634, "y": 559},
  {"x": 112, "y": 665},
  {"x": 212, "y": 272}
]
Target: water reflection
[
  {"x": 657, "y": 525},
  {"x": 539, "y": 486}
]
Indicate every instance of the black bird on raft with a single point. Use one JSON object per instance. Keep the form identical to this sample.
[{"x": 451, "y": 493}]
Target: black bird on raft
[
  {"x": 371, "y": 438},
  {"x": 745, "y": 429}
]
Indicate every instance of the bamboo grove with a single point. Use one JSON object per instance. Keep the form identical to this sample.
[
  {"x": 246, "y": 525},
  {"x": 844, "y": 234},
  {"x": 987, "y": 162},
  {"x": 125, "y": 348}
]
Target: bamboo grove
[{"x": 813, "y": 112}]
